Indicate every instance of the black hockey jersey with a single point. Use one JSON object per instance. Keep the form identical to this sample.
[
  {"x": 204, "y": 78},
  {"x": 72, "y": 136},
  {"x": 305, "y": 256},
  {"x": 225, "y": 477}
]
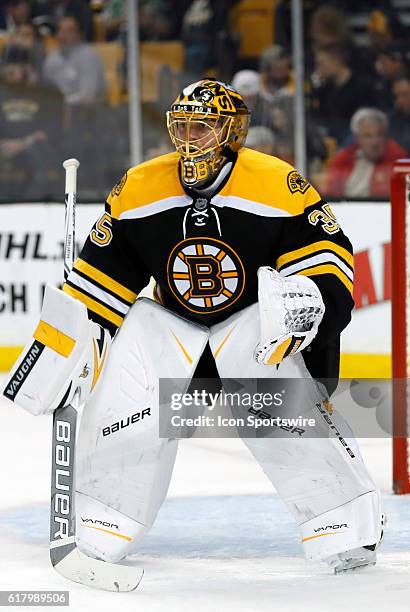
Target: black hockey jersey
[{"x": 204, "y": 252}]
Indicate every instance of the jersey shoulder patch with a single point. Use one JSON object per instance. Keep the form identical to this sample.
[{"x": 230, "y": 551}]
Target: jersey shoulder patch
[
  {"x": 296, "y": 182},
  {"x": 147, "y": 183},
  {"x": 118, "y": 187}
]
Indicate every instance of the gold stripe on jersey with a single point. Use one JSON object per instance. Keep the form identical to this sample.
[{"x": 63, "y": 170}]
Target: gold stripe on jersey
[
  {"x": 94, "y": 306},
  {"x": 259, "y": 178},
  {"x": 315, "y": 247},
  {"x": 105, "y": 280},
  {"x": 264, "y": 179},
  {"x": 329, "y": 269},
  {"x": 149, "y": 182}
]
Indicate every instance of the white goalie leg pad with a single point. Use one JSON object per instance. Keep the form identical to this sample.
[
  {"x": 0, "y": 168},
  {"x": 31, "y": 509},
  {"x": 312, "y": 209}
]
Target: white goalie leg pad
[
  {"x": 357, "y": 523},
  {"x": 314, "y": 474},
  {"x": 233, "y": 343},
  {"x": 63, "y": 354},
  {"x": 110, "y": 534},
  {"x": 315, "y": 471},
  {"x": 321, "y": 477},
  {"x": 122, "y": 463}
]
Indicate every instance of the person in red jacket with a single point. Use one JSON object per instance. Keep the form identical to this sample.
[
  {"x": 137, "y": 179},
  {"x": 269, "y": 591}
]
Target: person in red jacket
[{"x": 362, "y": 169}]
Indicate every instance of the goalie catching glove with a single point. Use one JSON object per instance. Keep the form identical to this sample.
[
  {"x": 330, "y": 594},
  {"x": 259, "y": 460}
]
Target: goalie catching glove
[
  {"x": 65, "y": 355},
  {"x": 291, "y": 309}
]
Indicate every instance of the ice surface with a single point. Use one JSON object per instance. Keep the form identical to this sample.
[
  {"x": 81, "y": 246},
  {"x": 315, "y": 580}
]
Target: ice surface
[{"x": 223, "y": 540}]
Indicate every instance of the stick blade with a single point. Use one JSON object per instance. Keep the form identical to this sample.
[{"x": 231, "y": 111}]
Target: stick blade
[{"x": 78, "y": 567}]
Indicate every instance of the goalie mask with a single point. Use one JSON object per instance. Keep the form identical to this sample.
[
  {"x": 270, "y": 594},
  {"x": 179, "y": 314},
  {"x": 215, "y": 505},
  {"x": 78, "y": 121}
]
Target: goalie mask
[{"x": 206, "y": 121}]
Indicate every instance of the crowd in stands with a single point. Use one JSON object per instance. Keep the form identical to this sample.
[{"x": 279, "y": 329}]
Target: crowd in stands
[
  {"x": 63, "y": 87},
  {"x": 52, "y": 83},
  {"x": 357, "y": 99},
  {"x": 357, "y": 96}
]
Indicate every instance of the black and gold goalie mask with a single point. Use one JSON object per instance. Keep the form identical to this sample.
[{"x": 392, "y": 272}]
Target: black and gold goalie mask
[{"x": 207, "y": 119}]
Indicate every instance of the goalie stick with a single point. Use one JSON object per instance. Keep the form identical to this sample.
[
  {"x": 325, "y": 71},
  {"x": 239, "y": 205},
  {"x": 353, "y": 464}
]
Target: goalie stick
[{"x": 65, "y": 557}]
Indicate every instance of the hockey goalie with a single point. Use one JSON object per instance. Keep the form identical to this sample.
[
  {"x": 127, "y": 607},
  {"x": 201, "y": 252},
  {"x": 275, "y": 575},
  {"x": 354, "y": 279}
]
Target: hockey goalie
[{"x": 254, "y": 278}]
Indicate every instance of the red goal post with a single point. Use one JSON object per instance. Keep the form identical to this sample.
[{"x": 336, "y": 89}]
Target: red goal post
[{"x": 400, "y": 215}]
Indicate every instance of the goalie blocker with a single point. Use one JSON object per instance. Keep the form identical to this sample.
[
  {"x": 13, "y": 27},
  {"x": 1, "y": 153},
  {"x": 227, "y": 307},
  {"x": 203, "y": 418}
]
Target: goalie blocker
[{"x": 66, "y": 353}]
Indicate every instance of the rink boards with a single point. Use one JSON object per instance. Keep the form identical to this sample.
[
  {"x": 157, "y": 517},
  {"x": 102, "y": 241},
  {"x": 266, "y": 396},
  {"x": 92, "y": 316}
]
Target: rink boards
[{"x": 31, "y": 255}]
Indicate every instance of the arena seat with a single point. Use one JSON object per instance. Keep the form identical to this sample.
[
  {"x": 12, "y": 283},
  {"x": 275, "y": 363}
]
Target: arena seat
[
  {"x": 112, "y": 56},
  {"x": 154, "y": 56},
  {"x": 253, "y": 21}
]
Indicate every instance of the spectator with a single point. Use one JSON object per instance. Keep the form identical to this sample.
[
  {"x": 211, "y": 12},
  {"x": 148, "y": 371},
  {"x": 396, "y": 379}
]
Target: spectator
[
  {"x": 261, "y": 138},
  {"x": 75, "y": 68},
  {"x": 400, "y": 117},
  {"x": 248, "y": 84},
  {"x": 225, "y": 45},
  {"x": 26, "y": 36},
  {"x": 329, "y": 26},
  {"x": 390, "y": 63},
  {"x": 205, "y": 34},
  {"x": 276, "y": 72},
  {"x": 276, "y": 99},
  {"x": 337, "y": 92},
  {"x": 176, "y": 13},
  {"x": 326, "y": 25},
  {"x": 154, "y": 20},
  {"x": 30, "y": 128},
  {"x": 16, "y": 66},
  {"x": 271, "y": 111},
  {"x": 362, "y": 169},
  {"x": 114, "y": 17},
  {"x": 51, "y": 12},
  {"x": 197, "y": 33},
  {"x": 384, "y": 26},
  {"x": 17, "y": 12}
]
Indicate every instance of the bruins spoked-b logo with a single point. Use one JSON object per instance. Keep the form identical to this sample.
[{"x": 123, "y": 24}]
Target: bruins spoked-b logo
[
  {"x": 296, "y": 182},
  {"x": 205, "y": 275}
]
